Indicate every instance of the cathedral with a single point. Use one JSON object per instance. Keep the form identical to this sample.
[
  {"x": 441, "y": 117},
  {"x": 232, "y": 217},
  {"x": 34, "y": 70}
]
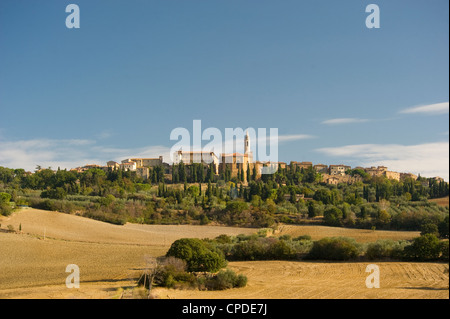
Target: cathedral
[{"x": 238, "y": 164}]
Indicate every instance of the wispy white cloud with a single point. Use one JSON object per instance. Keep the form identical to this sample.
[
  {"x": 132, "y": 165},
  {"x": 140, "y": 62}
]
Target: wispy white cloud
[
  {"x": 430, "y": 159},
  {"x": 70, "y": 153},
  {"x": 67, "y": 153},
  {"x": 45, "y": 152},
  {"x": 339, "y": 121},
  {"x": 294, "y": 137},
  {"x": 105, "y": 134},
  {"x": 431, "y": 109}
]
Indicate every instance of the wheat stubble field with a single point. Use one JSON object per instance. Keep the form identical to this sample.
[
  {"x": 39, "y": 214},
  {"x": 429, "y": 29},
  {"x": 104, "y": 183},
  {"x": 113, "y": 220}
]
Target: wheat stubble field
[{"x": 111, "y": 257}]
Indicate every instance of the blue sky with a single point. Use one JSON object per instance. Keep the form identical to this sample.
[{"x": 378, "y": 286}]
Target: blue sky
[{"x": 337, "y": 91}]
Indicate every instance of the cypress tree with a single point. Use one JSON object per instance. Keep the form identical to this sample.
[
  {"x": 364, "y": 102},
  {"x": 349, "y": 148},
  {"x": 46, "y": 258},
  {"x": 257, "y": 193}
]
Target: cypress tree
[{"x": 211, "y": 172}]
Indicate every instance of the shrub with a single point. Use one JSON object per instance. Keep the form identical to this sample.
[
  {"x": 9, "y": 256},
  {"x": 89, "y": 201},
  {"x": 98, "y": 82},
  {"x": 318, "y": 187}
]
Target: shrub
[
  {"x": 285, "y": 237},
  {"x": 5, "y": 209},
  {"x": 197, "y": 255},
  {"x": 385, "y": 248},
  {"x": 338, "y": 248},
  {"x": 106, "y": 201},
  {"x": 224, "y": 239},
  {"x": 250, "y": 250},
  {"x": 425, "y": 247},
  {"x": 204, "y": 220},
  {"x": 429, "y": 228},
  {"x": 169, "y": 276},
  {"x": 241, "y": 280},
  {"x": 4, "y": 198},
  {"x": 281, "y": 250},
  {"x": 444, "y": 227},
  {"x": 56, "y": 193},
  {"x": 444, "y": 250},
  {"x": 169, "y": 272},
  {"x": 262, "y": 248},
  {"x": 226, "y": 279},
  {"x": 332, "y": 216},
  {"x": 236, "y": 207},
  {"x": 303, "y": 237}
]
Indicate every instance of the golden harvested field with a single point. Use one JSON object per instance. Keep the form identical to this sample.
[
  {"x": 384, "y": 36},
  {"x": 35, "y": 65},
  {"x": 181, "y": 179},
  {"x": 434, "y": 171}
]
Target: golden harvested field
[
  {"x": 75, "y": 228},
  {"x": 111, "y": 257},
  {"x": 360, "y": 235},
  {"x": 440, "y": 201},
  {"x": 104, "y": 252},
  {"x": 321, "y": 280}
]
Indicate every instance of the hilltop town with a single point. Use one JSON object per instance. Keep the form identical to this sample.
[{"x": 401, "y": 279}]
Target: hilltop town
[{"x": 331, "y": 174}]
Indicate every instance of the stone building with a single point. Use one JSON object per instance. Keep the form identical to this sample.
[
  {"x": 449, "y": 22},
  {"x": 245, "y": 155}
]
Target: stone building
[
  {"x": 147, "y": 162},
  {"x": 338, "y": 179},
  {"x": 407, "y": 175},
  {"x": 321, "y": 168},
  {"x": 300, "y": 165},
  {"x": 382, "y": 171},
  {"x": 200, "y": 157},
  {"x": 112, "y": 165},
  {"x": 128, "y": 166},
  {"x": 339, "y": 169},
  {"x": 392, "y": 175},
  {"x": 376, "y": 171}
]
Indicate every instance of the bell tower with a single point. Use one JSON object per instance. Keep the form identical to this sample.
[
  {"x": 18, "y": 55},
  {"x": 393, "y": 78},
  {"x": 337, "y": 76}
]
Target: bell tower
[{"x": 247, "y": 143}]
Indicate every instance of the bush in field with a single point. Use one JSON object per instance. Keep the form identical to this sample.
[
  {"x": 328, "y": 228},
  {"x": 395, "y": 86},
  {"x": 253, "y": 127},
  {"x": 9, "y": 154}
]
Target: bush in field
[
  {"x": 385, "y": 248},
  {"x": 444, "y": 228},
  {"x": 226, "y": 279},
  {"x": 4, "y": 198},
  {"x": 5, "y": 208},
  {"x": 250, "y": 249},
  {"x": 224, "y": 239},
  {"x": 444, "y": 250},
  {"x": 338, "y": 248},
  {"x": 236, "y": 207},
  {"x": 54, "y": 193},
  {"x": 426, "y": 247},
  {"x": 429, "y": 228},
  {"x": 332, "y": 216},
  {"x": 302, "y": 237},
  {"x": 197, "y": 255},
  {"x": 172, "y": 271},
  {"x": 262, "y": 248}
]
